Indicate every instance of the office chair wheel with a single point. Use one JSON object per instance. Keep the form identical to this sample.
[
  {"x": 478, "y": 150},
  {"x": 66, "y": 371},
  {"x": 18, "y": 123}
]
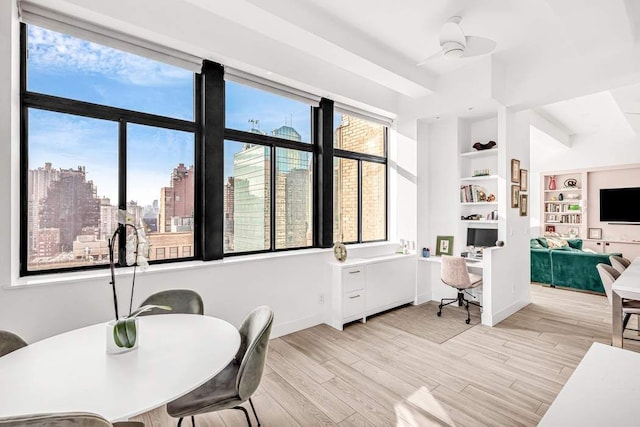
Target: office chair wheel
[
  {"x": 439, "y": 314},
  {"x": 468, "y": 320}
]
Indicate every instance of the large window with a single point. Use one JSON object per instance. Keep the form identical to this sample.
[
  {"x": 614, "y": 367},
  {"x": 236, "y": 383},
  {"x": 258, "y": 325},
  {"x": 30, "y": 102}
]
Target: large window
[
  {"x": 86, "y": 156},
  {"x": 106, "y": 130},
  {"x": 359, "y": 180},
  {"x": 268, "y": 187}
]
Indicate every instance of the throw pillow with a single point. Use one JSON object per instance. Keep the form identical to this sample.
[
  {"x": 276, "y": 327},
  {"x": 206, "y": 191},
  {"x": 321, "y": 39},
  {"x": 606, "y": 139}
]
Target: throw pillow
[
  {"x": 575, "y": 243},
  {"x": 535, "y": 244},
  {"x": 555, "y": 243},
  {"x": 543, "y": 242}
]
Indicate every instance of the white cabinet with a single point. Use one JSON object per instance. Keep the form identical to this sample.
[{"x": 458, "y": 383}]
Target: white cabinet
[
  {"x": 628, "y": 250},
  {"x": 362, "y": 287}
]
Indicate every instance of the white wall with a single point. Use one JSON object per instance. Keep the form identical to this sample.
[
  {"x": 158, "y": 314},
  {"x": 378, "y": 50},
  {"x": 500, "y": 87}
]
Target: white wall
[{"x": 291, "y": 282}]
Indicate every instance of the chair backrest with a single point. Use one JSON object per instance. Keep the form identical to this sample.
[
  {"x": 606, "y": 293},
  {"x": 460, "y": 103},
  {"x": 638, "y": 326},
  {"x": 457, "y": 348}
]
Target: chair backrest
[
  {"x": 181, "y": 301},
  {"x": 252, "y": 354},
  {"x": 64, "y": 419},
  {"x": 619, "y": 263},
  {"x": 10, "y": 342},
  {"x": 608, "y": 275},
  {"x": 454, "y": 272}
]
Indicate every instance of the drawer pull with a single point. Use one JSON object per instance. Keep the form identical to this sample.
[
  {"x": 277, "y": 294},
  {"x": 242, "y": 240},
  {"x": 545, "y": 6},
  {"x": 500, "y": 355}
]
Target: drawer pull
[
  {"x": 354, "y": 272},
  {"x": 354, "y": 296}
]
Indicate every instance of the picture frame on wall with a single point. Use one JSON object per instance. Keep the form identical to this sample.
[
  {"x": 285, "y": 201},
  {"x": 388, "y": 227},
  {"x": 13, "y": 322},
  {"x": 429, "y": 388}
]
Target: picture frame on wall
[
  {"x": 524, "y": 180},
  {"x": 524, "y": 202},
  {"x": 595, "y": 233},
  {"x": 515, "y": 171},
  {"x": 515, "y": 196},
  {"x": 444, "y": 245}
]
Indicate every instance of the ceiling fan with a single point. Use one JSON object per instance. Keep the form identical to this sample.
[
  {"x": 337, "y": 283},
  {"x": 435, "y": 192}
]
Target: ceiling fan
[{"x": 455, "y": 44}]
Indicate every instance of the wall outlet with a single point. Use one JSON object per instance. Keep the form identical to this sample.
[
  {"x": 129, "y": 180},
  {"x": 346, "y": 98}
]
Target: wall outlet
[{"x": 321, "y": 299}]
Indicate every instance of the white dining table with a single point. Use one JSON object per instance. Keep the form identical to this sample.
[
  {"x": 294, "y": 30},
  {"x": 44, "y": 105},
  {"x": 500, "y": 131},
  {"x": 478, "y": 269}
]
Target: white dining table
[
  {"x": 73, "y": 371},
  {"x": 627, "y": 286}
]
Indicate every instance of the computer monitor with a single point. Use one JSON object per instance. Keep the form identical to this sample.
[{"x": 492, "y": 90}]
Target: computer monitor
[{"x": 482, "y": 237}]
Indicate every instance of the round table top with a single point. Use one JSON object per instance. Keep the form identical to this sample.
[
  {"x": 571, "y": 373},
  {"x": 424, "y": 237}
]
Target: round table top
[{"x": 73, "y": 372}]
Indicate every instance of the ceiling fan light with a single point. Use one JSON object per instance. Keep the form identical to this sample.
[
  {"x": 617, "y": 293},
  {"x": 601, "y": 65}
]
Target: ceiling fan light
[{"x": 452, "y": 49}]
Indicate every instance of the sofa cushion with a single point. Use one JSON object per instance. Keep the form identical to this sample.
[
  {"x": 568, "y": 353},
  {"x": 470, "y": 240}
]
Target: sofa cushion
[
  {"x": 555, "y": 242},
  {"x": 535, "y": 244},
  {"x": 543, "y": 242},
  {"x": 575, "y": 243}
]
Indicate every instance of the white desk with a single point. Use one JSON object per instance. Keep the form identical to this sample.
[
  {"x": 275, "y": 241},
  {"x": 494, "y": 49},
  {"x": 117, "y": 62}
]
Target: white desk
[
  {"x": 471, "y": 262},
  {"x": 602, "y": 391},
  {"x": 73, "y": 372},
  {"x": 627, "y": 286}
]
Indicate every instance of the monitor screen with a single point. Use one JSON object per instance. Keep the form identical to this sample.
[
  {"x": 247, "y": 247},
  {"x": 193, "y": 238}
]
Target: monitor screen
[
  {"x": 616, "y": 204},
  {"x": 482, "y": 237}
]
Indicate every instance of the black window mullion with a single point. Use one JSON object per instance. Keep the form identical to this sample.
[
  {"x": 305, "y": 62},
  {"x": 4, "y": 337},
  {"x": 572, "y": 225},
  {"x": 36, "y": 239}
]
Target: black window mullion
[
  {"x": 323, "y": 175},
  {"x": 272, "y": 204},
  {"x": 24, "y": 159},
  {"x": 122, "y": 187},
  {"x": 359, "y": 200},
  {"x": 198, "y": 154}
]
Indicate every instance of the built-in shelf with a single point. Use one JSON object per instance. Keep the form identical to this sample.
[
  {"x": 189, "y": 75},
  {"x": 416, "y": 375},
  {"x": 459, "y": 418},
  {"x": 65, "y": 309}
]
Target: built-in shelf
[
  {"x": 567, "y": 202},
  {"x": 562, "y": 223},
  {"x": 481, "y": 221},
  {"x": 560, "y": 190},
  {"x": 480, "y": 204},
  {"x": 480, "y": 153},
  {"x": 479, "y": 178}
]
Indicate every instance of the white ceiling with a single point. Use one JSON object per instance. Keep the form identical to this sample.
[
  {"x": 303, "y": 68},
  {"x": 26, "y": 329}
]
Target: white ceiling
[{"x": 367, "y": 52}]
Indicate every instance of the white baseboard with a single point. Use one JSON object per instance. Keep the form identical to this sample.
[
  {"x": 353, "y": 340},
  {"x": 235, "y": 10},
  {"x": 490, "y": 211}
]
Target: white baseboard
[
  {"x": 422, "y": 299},
  {"x": 281, "y": 329},
  {"x": 504, "y": 313}
]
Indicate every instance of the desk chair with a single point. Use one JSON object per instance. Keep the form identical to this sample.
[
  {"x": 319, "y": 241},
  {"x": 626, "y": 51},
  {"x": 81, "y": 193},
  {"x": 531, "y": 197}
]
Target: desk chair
[
  {"x": 181, "y": 301},
  {"x": 619, "y": 263},
  {"x": 454, "y": 273},
  {"x": 608, "y": 275},
  {"x": 10, "y": 342},
  {"x": 237, "y": 382},
  {"x": 64, "y": 419}
]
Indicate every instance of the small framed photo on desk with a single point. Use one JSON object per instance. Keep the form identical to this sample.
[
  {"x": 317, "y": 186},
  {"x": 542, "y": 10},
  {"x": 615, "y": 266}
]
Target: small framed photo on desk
[{"x": 444, "y": 245}]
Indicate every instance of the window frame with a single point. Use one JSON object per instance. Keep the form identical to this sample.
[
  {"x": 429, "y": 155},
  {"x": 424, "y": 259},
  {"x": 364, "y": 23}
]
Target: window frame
[
  {"x": 34, "y": 100},
  {"x": 360, "y": 158}
]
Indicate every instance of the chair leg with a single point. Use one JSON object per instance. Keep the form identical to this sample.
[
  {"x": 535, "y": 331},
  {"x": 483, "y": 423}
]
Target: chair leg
[
  {"x": 442, "y": 304},
  {"x": 254, "y": 411},
  {"x": 193, "y": 421},
  {"x": 625, "y": 321},
  {"x": 180, "y": 422},
  {"x": 246, "y": 414}
]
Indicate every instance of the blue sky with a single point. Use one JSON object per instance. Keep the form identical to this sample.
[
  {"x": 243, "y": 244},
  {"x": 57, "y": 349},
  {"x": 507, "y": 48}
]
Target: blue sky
[{"x": 68, "y": 67}]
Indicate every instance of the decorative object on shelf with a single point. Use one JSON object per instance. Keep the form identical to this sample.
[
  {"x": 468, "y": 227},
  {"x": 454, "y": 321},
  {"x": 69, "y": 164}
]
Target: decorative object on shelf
[
  {"x": 481, "y": 172},
  {"x": 572, "y": 196},
  {"x": 515, "y": 171},
  {"x": 560, "y": 197},
  {"x": 515, "y": 196},
  {"x": 552, "y": 182},
  {"x": 524, "y": 180},
  {"x": 444, "y": 245},
  {"x": 491, "y": 198},
  {"x": 595, "y": 233},
  {"x": 523, "y": 204},
  {"x": 122, "y": 332},
  {"x": 550, "y": 229},
  {"x": 482, "y": 196},
  {"x": 554, "y": 198},
  {"x": 570, "y": 183},
  {"x": 574, "y": 207},
  {"x": 489, "y": 145},
  {"x": 340, "y": 251},
  {"x": 425, "y": 252}
]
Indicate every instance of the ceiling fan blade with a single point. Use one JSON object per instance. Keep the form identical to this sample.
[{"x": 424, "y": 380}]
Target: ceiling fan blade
[
  {"x": 478, "y": 46},
  {"x": 430, "y": 58}
]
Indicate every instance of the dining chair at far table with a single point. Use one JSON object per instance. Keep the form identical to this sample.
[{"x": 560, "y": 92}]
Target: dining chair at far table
[
  {"x": 237, "y": 382},
  {"x": 64, "y": 419},
  {"x": 608, "y": 275},
  {"x": 10, "y": 342},
  {"x": 181, "y": 301},
  {"x": 619, "y": 263}
]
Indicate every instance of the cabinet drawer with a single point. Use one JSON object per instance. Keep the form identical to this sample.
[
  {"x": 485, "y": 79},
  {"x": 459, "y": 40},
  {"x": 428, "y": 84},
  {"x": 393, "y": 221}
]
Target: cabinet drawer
[
  {"x": 353, "y": 278},
  {"x": 353, "y": 303}
]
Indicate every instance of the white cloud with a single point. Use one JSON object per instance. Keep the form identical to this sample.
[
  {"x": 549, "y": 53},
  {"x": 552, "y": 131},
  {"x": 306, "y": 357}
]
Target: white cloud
[{"x": 55, "y": 52}]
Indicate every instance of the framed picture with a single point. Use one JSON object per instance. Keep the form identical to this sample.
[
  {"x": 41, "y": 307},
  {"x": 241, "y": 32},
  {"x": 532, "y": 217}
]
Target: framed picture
[
  {"x": 515, "y": 196},
  {"x": 515, "y": 171},
  {"x": 523, "y": 204},
  {"x": 595, "y": 233},
  {"x": 550, "y": 229},
  {"x": 444, "y": 245},
  {"x": 524, "y": 179}
]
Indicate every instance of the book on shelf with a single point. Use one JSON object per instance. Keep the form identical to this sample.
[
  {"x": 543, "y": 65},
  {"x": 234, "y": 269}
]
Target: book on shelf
[{"x": 472, "y": 194}]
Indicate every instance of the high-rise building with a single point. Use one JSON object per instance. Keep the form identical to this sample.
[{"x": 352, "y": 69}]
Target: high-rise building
[
  {"x": 70, "y": 205},
  {"x": 177, "y": 199},
  {"x": 228, "y": 214},
  {"x": 38, "y": 184}
]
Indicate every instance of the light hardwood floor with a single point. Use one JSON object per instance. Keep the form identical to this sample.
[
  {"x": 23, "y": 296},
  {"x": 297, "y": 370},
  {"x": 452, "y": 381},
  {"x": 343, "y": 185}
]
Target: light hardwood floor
[{"x": 408, "y": 367}]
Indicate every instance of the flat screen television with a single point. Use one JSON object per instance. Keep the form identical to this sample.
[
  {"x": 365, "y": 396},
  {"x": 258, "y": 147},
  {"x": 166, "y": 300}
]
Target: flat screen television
[
  {"x": 482, "y": 237},
  {"x": 619, "y": 204}
]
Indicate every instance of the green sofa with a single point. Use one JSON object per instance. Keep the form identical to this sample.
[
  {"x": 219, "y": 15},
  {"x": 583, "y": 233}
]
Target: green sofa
[{"x": 568, "y": 265}]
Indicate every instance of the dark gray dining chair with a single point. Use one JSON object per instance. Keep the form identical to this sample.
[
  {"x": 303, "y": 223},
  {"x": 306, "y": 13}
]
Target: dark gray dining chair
[
  {"x": 619, "y": 263},
  {"x": 64, "y": 419},
  {"x": 10, "y": 342},
  {"x": 181, "y": 301},
  {"x": 237, "y": 382}
]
